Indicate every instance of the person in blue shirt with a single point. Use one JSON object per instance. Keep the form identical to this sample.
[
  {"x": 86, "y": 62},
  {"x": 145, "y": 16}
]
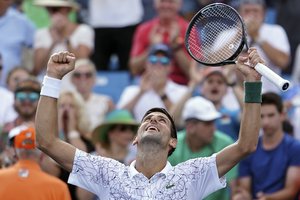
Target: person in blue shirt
[
  {"x": 16, "y": 35},
  {"x": 273, "y": 170}
]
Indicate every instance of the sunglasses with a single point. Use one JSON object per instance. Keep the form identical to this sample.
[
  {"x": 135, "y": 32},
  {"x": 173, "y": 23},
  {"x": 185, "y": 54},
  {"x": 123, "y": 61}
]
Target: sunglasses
[
  {"x": 85, "y": 75},
  {"x": 123, "y": 128},
  {"x": 27, "y": 96},
  {"x": 162, "y": 60},
  {"x": 52, "y": 10}
]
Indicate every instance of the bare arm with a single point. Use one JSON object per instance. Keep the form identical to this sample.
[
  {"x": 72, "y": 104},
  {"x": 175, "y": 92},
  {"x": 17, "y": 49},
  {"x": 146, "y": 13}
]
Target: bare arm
[
  {"x": 250, "y": 123},
  {"x": 47, "y": 119},
  {"x": 183, "y": 61},
  {"x": 279, "y": 58},
  {"x": 137, "y": 64}
]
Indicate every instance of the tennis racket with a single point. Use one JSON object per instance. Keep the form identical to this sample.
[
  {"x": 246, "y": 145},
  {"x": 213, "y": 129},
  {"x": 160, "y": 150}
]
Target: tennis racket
[{"x": 216, "y": 36}]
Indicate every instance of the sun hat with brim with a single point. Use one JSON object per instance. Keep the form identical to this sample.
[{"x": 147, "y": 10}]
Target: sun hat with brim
[
  {"x": 57, "y": 3},
  {"x": 116, "y": 117}
]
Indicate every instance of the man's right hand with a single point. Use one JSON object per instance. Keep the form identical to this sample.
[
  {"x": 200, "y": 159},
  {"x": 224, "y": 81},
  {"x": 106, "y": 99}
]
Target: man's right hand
[{"x": 60, "y": 64}]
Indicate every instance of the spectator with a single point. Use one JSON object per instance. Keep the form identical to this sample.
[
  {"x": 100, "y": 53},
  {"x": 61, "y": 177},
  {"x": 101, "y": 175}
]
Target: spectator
[
  {"x": 155, "y": 84},
  {"x": 214, "y": 86},
  {"x": 115, "y": 135},
  {"x": 169, "y": 28},
  {"x": 62, "y": 35},
  {"x": 26, "y": 95},
  {"x": 201, "y": 139},
  {"x": 270, "y": 39},
  {"x": 84, "y": 79},
  {"x": 15, "y": 76},
  {"x": 16, "y": 34},
  {"x": 273, "y": 170},
  {"x": 114, "y": 22},
  {"x": 25, "y": 179}
]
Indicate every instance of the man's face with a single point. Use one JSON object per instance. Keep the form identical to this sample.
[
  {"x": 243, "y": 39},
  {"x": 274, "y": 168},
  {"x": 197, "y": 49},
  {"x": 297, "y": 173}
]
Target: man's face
[
  {"x": 16, "y": 77},
  {"x": 252, "y": 13},
  {"x": 84, "y": 79},
  {"x": 202, "y": 131},
  {"x": 159, "y": 66},
  {"x": 26, "y": 103},
  {"x": 155, "y": 129},
  {"x": 214, "y": 87},
  {"x": 167, "y": 9},
  {"x": 271, "y": 119}
]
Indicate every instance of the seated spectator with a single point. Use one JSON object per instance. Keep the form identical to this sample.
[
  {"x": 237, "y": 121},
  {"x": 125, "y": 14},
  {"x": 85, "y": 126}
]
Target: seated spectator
[
  {"x": 214, "y": 86},
  {"x": 155, "y": 89},
  {"x": 84, "y": 79},
  {"x": 15, "y": 76},
  {"x": 168, "y": 28},
  {"x": 273, "y": 170},
  {"x": 25, "y": 179},
  {"x": 270, "y": 40},
  {"x": 62, "y": 35},
  {"x": 115, "y": 135},
  {"x": 16, "y": 34},
  {"x": 201, "y": 139}
]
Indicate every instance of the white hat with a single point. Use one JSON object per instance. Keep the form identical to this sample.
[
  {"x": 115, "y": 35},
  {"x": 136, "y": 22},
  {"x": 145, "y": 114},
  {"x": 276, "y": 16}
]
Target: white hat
[
  {"x": 57, "y": 3},
  {"x": 201, "y": 109}
]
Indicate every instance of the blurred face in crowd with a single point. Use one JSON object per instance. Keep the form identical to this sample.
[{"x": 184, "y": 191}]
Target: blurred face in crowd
[
  {"x": 252, "y": 13},
  {"x": 58, "y": 16},
  {"x": 214, "y": 87},
  {"x": 83, "y": 78},
  {"x": 15, "y": 77},
  {"x": 167, "y": 9},
  {"x": 26, "y": 103},
  {"x": 271, "y": 119},
  {"x": 159, "y": 66},
  {"x": 4, "y": 5},
  {"x": 121, "y": 135},
  {"x": 66, "y": 105},
  {"x": 200, "y": 131}
]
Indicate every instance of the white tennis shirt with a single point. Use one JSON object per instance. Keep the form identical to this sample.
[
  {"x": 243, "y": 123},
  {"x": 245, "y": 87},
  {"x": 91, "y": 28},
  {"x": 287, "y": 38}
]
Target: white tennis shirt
[{"x": 110, "y": 179}]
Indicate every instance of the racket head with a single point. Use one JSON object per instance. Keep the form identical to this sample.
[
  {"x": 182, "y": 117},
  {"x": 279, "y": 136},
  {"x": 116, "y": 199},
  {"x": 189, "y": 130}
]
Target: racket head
[{"x": 216, "y": 35}]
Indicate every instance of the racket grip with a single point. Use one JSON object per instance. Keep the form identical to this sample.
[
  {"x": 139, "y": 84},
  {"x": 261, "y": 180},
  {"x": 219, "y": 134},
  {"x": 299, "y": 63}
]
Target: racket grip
[{"x": 281, "y": 83}]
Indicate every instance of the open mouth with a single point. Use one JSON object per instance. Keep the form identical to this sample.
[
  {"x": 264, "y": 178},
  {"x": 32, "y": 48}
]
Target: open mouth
[{"x": 152, "y": 128}]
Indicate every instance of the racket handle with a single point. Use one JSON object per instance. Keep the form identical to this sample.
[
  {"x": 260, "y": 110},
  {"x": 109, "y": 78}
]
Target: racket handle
[{"x": 281, "y": 83}]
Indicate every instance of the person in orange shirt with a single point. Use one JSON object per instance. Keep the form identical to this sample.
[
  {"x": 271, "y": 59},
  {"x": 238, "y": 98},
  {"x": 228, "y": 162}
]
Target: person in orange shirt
[{"x": 25, "y": 179}]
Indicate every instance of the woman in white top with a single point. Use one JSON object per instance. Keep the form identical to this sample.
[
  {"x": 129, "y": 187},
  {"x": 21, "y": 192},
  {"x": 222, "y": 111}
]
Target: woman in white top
[{"x": 62, "y": 35}]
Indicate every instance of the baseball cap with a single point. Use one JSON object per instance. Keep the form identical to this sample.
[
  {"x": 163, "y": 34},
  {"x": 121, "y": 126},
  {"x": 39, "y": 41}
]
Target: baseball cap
[
  {"x": 212, "y": 70},
  {"x": 201, "y": 109},
  {"x": 260, "y": 2},
  {"x": 160, "y": 48},
  {"x": 23, "y": 137}
]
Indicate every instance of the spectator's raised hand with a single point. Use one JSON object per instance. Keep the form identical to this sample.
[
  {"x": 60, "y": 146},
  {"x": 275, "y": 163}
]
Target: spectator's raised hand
[{"x": 60, "y": 64}]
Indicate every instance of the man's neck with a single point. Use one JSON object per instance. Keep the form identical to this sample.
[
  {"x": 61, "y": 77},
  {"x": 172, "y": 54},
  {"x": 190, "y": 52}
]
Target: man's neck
[
  {"x": 150, "y": 163},
  {"x": 272, "y": 141}
]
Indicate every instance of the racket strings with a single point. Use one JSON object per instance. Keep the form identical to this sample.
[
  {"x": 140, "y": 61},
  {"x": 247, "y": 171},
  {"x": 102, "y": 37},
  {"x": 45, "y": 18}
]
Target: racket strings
[{"x": 216, "y": 35}]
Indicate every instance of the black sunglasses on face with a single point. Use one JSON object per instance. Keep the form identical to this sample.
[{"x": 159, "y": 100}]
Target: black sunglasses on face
[{"x": 85, "y": 75}]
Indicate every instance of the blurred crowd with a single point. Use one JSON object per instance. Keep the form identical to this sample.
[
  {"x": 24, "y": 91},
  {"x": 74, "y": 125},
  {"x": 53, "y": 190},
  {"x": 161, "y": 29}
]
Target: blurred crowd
[{"x": 145, "y": 40}]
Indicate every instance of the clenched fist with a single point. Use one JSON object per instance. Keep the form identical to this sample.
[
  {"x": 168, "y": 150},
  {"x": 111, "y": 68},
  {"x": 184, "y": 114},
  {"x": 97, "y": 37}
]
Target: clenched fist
[{"x": 60, "y": 64}]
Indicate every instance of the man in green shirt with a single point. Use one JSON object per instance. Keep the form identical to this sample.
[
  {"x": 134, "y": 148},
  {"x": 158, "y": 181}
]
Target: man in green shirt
[{"x": 201, "y": 139}]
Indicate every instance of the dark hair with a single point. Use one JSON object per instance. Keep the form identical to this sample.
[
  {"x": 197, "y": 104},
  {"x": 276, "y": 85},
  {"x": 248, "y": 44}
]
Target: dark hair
[
  {"x": 173, "y": 127},
  {"x": 271, "y": 98}
]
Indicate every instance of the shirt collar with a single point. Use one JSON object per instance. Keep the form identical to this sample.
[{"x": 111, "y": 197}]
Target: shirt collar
[{"x": 133, "y": 172}]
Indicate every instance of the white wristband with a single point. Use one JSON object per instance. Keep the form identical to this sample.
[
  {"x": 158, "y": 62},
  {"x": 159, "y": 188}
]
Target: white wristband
[{"x": 51, "y": 87}]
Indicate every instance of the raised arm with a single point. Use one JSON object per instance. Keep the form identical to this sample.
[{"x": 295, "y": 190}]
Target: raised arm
[
  {"x": 46, "y": 117},
  {"x": 250, "y": 123}
]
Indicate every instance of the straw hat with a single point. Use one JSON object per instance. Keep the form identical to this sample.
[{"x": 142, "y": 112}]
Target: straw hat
[
  {"x": 116, "y": 117},
  {"x": 57, "y": 3}
]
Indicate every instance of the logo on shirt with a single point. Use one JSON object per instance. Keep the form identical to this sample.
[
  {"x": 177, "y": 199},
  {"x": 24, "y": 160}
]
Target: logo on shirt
[{"x": 170, "y": 185}]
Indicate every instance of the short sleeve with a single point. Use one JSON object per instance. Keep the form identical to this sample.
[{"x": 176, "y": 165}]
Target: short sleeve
[
  {"x": 84, "y": 35},
  {"x": 93, "y": 173},
  {"x": 244, "y": 167},
  {"x": 294, "y": 152},
  {"x": 42, "y": 39}
]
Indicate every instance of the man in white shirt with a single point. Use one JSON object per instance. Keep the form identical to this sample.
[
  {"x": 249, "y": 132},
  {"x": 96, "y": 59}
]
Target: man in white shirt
[
  {"x": 155, "y": 84},
  {"x": 270, "y": 40},
  {"x": 150, "y": 176}
]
